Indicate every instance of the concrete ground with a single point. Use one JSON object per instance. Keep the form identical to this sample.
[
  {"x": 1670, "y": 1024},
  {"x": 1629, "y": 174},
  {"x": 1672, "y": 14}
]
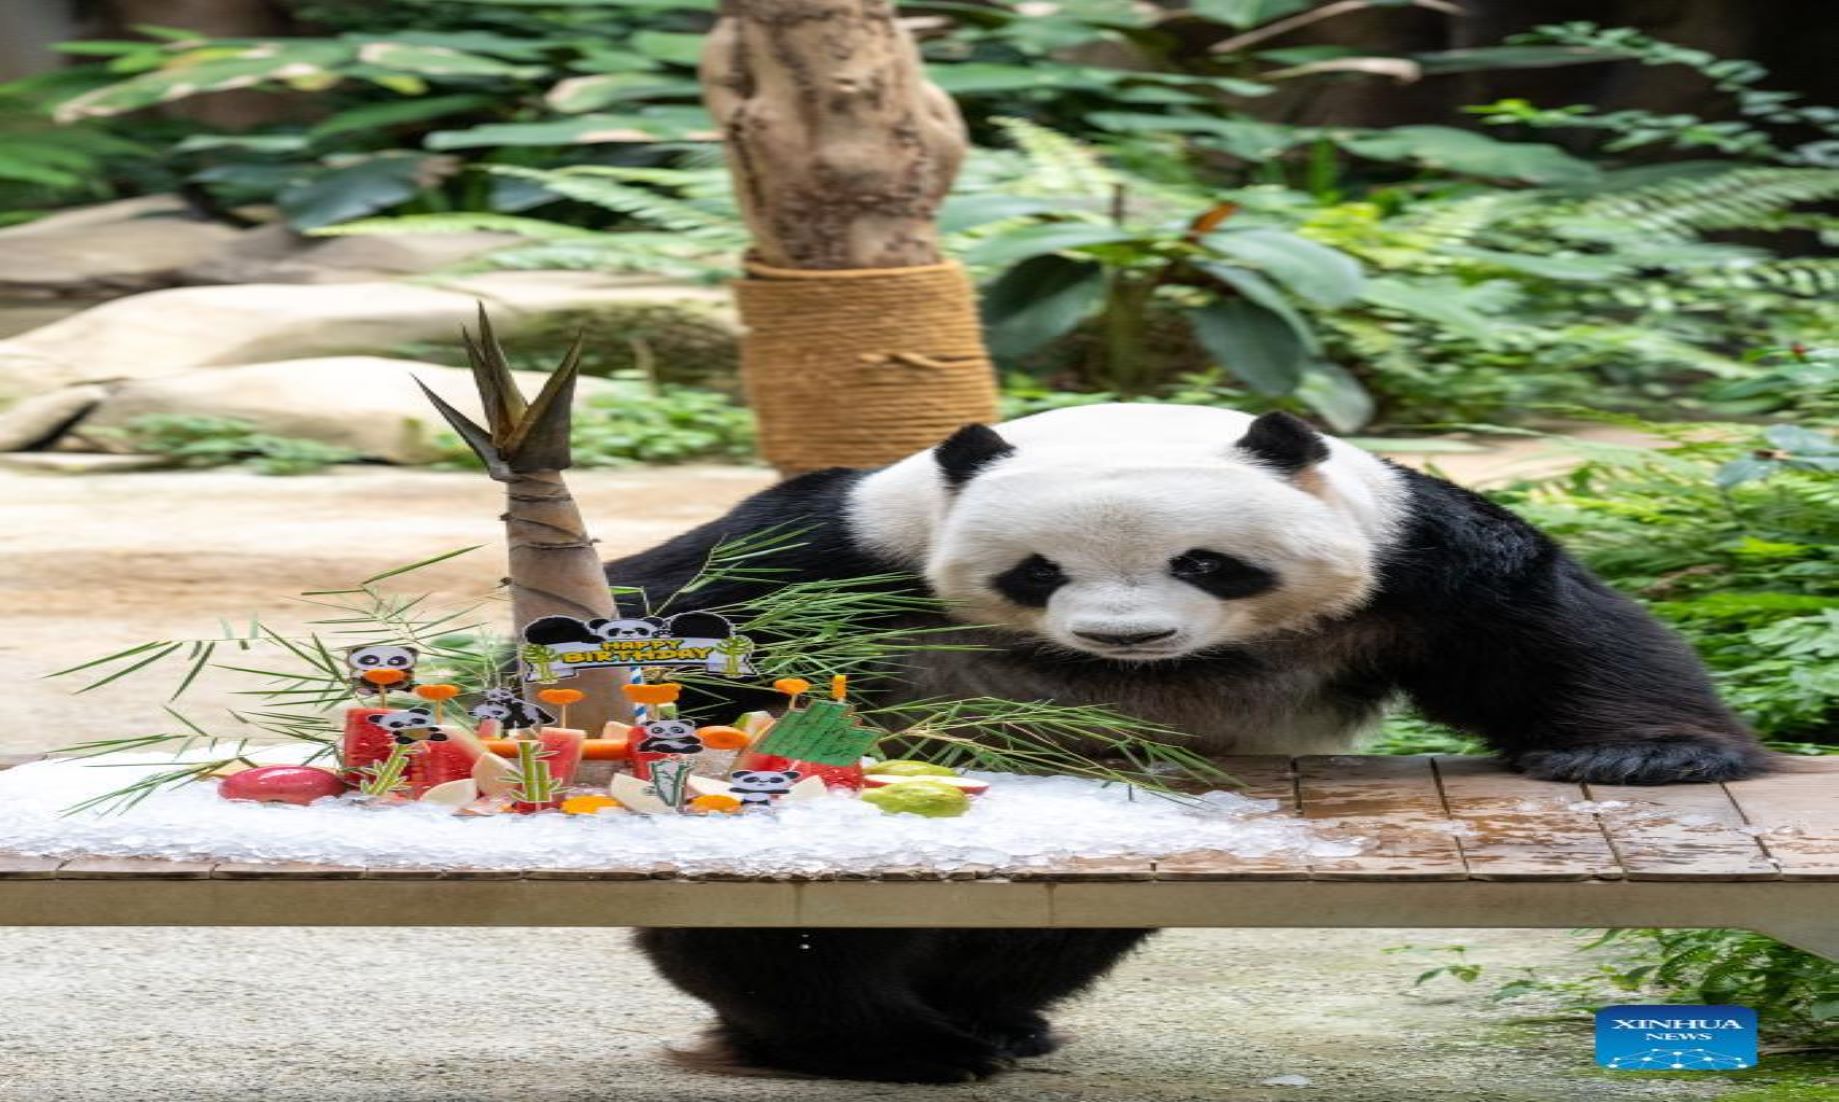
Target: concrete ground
[{"x": 93, "y": 564}]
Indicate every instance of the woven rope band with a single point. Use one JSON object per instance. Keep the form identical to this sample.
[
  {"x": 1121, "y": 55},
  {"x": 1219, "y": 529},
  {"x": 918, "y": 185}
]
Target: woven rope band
[{"x": 860, "y": 367}]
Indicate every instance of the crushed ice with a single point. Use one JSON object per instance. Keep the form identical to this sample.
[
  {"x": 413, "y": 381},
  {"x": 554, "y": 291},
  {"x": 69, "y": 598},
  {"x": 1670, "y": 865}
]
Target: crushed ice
[{"x": 1021, "y": 822}]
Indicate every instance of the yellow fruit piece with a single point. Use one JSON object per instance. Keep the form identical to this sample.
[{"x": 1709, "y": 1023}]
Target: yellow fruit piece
[
  {"x": 919, "y": 797},
  {"x": 588, "y": 805},
  {"x": 908, "y": 768},
  {"x": 715, "y": 803}
]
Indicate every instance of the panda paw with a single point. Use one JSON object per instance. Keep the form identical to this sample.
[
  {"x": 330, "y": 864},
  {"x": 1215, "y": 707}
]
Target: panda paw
[
  {"x": 925, "y": 1055},
  {"x": 1021, "y": 1036},
  {"x": 1665, "y": 759}
]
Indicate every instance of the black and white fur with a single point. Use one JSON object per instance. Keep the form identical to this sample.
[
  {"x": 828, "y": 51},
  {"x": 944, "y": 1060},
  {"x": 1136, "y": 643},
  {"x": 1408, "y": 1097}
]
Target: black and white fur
[
  {"x": 1264, "y": 587},
  {"x": 511, "y": 711}
]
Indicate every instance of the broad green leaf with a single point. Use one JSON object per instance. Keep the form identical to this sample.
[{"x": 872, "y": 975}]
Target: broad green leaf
[
  {"x": 1582, "y": 269},
  {"x": 1801, "y": 441},
  {"x": 1490, "y": 58},
  {"x": 365, "y": 187},
  {"x": 1440, "y": 302},
  {"x": 1324, "y": 276},
  {"x": 1038, "y": 300},
  {"x": 1251, "y": 343},
  {"x": 254, "y": 143},
  {"x": 675, "y": 49},
  {"x": 1247, "y": 139},
  {"x": 211, "y": 70},
  {"x": 1333, "y": 391},
  {"x": 1258, "y": 289},
  {"x": 1045, "y": 237},
  {"x": 1738, "y": 471},
  {"x": 436, "y": 61},
  {"x": 1469, "y": 154},
  {"x": 590, "y": 93},
  {"x": 580, "y": 130},
  {"x": 971, "y": 77},
  {"x": 963, "y": 212},
  {"x": 371, "y": 116}
]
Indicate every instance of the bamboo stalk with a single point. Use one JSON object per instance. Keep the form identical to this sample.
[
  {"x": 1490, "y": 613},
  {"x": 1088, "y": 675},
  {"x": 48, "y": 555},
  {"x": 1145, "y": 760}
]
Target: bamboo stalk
[{"x": 553, "y": 568}]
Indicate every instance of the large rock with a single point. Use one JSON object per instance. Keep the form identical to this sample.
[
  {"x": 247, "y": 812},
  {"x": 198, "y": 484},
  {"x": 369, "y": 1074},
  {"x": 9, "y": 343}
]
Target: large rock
[
  {"x": 127, "y": 246},
  {"x": 171, "y": 332},
  {"x": 276, "y": 254},
  {"x": 366, "y": 403},
  {"x": 42, "y": 417}
]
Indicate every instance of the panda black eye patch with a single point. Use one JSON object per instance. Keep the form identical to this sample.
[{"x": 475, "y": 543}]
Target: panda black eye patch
[
  {"x": 1030, "y": 582},
  {"x": 1220, "y": 575}
]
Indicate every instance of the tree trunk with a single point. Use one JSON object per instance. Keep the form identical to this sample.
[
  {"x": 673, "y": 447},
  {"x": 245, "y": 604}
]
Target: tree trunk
[
  {"x": 863, "y": 345},
  {"x": 841, "y": 149}
]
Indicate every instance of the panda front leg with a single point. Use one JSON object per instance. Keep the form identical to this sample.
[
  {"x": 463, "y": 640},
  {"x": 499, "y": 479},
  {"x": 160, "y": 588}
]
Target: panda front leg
[
  {"x": 832, "y": 1002},
  {"x": 1570, "y": 681}
]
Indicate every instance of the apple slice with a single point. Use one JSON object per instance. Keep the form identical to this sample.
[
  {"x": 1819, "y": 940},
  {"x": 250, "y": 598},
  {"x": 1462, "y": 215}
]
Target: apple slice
[
  {"x": 452, "y": 793},
  {"x": 811, "y": 788},
  {"x": 970, "y": 787},
  {"x": 708, "y": 786},
  {"x": 495, "y": 775},
  {"x": 636, "y": 795}
]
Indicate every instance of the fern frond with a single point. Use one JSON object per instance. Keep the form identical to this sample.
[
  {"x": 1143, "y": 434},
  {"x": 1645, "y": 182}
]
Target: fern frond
[
  {"x": 1680, "y": 208},
  {"x": 651, "y": 207},
  {"x": 1057, "y": 164},
  {"x": 1811, "y": 277}
]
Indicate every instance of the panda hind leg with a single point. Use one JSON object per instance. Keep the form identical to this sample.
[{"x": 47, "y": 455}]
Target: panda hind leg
[
  {"x": 826, "y": 1002},
  {"x": 997, "y": 984}
]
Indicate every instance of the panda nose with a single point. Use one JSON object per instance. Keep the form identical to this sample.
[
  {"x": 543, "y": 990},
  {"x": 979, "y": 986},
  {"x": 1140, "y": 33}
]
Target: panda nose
[{"x": 1125, "y": 638}]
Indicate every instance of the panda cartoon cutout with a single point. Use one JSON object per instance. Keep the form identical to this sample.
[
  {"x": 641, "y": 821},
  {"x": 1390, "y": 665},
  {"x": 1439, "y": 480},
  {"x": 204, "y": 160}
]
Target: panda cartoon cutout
[
  {"x": 1249, "y": 580},
  {"x": 758, "y": 788},
  {"x": 669, "y": 736},
  {"x": 362, "y": 660},
  {"x": 411, "y": 725},
  {"x": 510, "y": 711}
]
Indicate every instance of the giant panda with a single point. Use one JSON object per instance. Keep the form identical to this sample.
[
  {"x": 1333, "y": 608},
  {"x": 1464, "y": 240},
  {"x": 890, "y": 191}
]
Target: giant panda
[{"x": 1249, "y": 580}]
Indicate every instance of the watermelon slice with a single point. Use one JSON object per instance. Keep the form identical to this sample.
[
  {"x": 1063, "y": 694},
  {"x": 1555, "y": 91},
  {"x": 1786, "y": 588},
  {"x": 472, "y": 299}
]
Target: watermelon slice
[
  {"x": 365, "y": 743},
  {"x": 450, "y": 759},
  {"x": 834, "y": 776},
  {"x": 565, "y": 745}
]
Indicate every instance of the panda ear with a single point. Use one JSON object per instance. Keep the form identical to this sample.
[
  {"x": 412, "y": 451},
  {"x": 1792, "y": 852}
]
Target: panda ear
[
  {"x": 968, "y": 451},
  {"x": 597, "y": 624},
  {"x": 655, "y": 621},
  {"x": 1284, "y": 443}
]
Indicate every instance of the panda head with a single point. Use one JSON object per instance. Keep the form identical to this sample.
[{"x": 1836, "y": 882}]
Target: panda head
[
  {"x": 762, "y": 780},
  {"x": 669, "y": 729},
  {"x": 364, "y": 659},
  {"x": 408, "y": 719},
  {"x": 1137, "y": 533},
  {"x": 647, "y": 627}
]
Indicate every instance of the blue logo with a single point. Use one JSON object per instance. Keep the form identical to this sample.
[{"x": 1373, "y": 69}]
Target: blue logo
[{"x": 1676, "y": 1038}]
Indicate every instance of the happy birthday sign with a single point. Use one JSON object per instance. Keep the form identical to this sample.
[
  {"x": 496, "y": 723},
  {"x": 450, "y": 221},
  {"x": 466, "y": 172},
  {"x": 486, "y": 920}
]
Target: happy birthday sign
[{"x": 556, "y": 647}]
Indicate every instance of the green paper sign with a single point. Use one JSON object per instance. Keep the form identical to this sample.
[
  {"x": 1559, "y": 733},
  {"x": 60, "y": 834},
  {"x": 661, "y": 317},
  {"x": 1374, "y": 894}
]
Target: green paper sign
[{"x": 823, "y": 731}]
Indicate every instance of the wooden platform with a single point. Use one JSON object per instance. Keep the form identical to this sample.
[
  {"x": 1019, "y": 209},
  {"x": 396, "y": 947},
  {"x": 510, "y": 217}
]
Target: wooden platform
[{"x": 1453, "y": 842}]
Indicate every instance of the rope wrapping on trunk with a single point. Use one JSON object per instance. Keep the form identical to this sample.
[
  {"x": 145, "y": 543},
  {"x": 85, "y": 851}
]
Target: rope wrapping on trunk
[{"x": 861, "y": 367}]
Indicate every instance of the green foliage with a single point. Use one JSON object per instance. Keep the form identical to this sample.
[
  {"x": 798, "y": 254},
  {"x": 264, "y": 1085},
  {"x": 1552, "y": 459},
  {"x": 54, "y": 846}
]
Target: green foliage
[
  {"x": 192, "y": 441},
  {"x": 1795, "y": 993},
  {"x": 1761, "y": 113}
]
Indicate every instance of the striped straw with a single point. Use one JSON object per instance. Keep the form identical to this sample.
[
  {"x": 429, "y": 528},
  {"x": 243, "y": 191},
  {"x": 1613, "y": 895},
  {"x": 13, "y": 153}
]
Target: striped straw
[{"x": 640, "y": 712}]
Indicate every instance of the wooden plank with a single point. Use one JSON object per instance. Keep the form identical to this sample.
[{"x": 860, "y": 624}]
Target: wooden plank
[
  {"x": 1795, "y": 811},
  {"x": 134, "y": 868},
  {"x": 1264, "y": 777},
  {"x": 610, "y": 872},
  {"x": 15, "y": 866},
  {"x": 284, "y": 870},
  {"x": 1391, "y": 801},
  {"x": 1679, "y": 832},
  {"x": 1075, "y": 870},
  {"x": 405, "y": 872},
  {"x": 1522, "y": 829}
]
